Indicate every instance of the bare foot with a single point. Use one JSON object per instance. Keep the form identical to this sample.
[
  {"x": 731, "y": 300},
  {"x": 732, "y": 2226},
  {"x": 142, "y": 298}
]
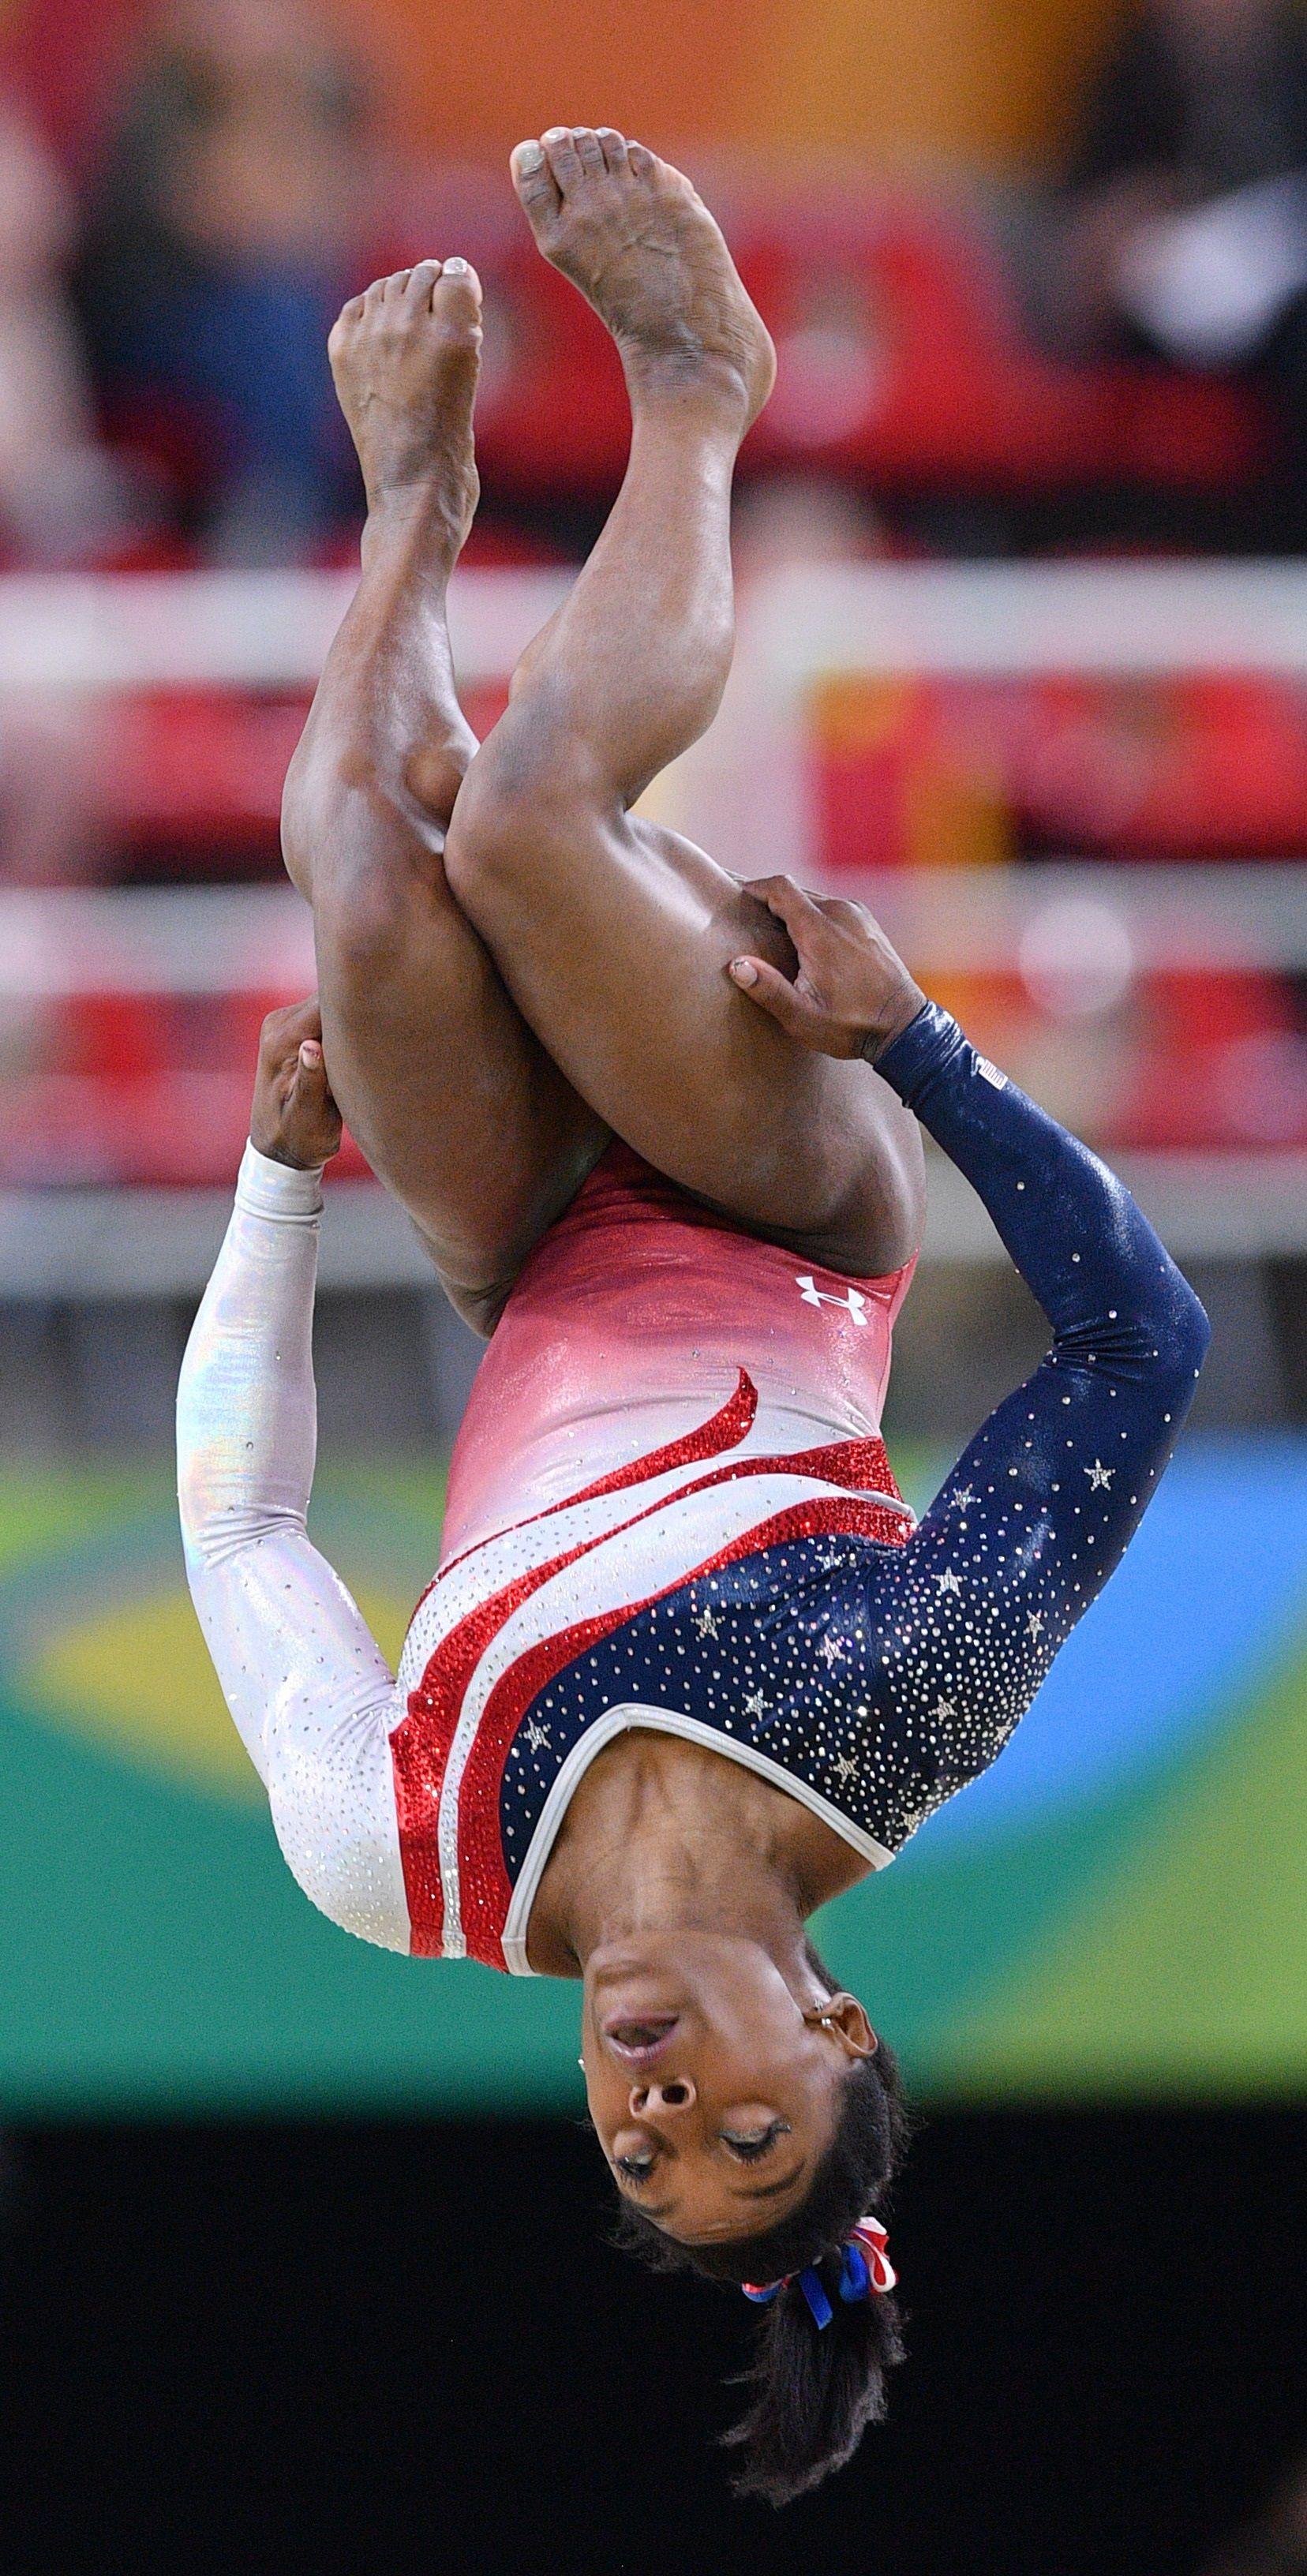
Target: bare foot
[
  {"x": 405, "y": 358},
  {"x": 629, "y": 230}
]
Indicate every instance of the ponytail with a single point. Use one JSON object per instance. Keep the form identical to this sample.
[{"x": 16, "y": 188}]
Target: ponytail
[
  {"x": 815, "y": 2391},
  {"x": 815, "y": 2388}
]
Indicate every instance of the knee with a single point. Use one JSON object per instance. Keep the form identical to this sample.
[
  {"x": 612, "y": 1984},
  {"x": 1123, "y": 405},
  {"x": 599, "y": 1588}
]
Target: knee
[
  {"x": 527, "y": 790},
  {"x": 374, "y": 876},
  {"x": 374, "y": 905}
]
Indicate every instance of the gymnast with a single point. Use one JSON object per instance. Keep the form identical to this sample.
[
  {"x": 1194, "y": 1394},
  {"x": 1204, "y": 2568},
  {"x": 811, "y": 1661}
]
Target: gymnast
[{"x": 688, "y": 1667}]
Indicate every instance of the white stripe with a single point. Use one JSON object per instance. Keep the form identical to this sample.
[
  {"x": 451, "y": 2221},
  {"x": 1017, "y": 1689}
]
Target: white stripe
[{"x": 498, "y": 1560}]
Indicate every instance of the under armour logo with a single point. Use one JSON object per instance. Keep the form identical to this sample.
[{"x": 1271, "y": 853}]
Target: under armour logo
[{"x": 852, "y": 1298}]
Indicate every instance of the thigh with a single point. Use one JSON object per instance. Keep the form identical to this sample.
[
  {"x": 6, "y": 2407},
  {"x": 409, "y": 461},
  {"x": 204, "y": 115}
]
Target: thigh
[
  {"x": 614, "y": 937},
  {"x": 453, "y": 1098}
]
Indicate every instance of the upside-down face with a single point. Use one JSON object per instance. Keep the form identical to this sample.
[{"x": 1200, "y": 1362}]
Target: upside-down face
[{"x": 713, "y": 2089}]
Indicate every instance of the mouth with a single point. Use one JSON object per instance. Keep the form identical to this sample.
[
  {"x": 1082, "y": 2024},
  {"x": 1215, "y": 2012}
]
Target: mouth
[{"x": 638, "y": 2040}]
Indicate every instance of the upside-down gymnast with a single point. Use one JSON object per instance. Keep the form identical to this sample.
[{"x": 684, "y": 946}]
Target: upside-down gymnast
[{"x": 688, "y": 1668}]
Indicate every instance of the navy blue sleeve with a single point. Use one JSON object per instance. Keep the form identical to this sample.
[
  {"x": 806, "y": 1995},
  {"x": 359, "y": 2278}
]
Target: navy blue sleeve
[{"x": 965, "y": 1619}]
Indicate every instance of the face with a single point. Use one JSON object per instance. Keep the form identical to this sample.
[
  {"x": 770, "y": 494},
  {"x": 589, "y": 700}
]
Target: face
[{"x": 713, "y": 2090}]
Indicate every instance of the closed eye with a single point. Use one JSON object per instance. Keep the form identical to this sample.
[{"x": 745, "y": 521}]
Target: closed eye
[
  {"x": 636, "y": 2169},
  {"x": 748, "y": 2149}
]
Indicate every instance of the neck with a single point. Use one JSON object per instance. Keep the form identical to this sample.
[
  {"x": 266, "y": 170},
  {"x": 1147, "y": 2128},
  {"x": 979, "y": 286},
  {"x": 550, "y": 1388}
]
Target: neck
[{"x": 661, "y": 1838}]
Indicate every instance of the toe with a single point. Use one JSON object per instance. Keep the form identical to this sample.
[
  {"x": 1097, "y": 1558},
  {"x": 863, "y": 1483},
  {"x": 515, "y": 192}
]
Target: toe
[
  {"x": 641, "y": 160},
  {"x": 420, "y": 280},
  {"x": 374, "y": 294},
  {"x": 393, "y": 286},
  {"x": 538, "y": 193},
  {"x": 613, "y": 146},
  {"x": 564, "y": 159},
  {"x": 456, "y": 292},
  {"x": 589, "y": 151}
]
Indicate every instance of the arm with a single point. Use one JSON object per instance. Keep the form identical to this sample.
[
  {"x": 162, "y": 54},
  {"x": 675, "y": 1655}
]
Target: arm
[
  {"x": 1023, "y": 1534},
  {"x": 309, "y": 1690}
]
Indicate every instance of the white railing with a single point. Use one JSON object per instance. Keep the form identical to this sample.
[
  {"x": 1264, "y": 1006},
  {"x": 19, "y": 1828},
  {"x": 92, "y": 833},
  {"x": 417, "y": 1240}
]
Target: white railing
[{"x": 743, "y": 793}]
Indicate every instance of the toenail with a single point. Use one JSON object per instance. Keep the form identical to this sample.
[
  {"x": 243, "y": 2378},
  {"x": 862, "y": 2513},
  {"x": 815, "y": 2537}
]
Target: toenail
[
  {"x": 558, "y": 134},
  {"x": 529, "y": 156},
  {"x": 456, "y": 268}
]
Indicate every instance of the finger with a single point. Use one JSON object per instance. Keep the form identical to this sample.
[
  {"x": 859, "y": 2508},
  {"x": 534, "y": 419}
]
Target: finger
[
  {"x": 311, "y": 1072},
  {"x": 310, "y": 1091},
  {"x": 787, "y": 901},
  {"x": 773, "y": 992}
]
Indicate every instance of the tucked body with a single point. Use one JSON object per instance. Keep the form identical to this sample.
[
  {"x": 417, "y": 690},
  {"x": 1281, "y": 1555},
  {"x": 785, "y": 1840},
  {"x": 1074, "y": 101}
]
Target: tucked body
[{"x": 688, "y": 1667}]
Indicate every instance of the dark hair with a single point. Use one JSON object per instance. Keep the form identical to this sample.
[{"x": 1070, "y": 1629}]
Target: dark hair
[{"x": 814, "y": 2394}]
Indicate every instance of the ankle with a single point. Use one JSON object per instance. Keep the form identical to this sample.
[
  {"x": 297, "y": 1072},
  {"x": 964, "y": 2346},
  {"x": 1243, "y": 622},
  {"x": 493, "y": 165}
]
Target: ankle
[
  {"x": 424, "y": 515},
  {"x": 700, "y": 392}
]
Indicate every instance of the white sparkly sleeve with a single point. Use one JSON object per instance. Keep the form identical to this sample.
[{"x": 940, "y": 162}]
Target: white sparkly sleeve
[{"x": 309, "y": 1689}]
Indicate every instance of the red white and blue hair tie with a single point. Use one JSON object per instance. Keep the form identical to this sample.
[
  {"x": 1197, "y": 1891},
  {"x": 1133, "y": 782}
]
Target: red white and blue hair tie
[{"x": 865, "y": 2272}]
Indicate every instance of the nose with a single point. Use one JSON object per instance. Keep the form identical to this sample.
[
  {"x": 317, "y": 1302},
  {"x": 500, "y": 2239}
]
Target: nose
[{"x": 648, "y": 2101}]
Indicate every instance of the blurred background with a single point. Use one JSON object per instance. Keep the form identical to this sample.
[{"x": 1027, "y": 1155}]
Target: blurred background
[{"x": 301, "y": 2247}]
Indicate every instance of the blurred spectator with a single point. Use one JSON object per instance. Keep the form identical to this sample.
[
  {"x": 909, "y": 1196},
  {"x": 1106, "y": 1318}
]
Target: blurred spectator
[
  {"x": 1184, "y": 214},
  {"x": 218, "y": 254},
  {"x": 61, "y": 497}
]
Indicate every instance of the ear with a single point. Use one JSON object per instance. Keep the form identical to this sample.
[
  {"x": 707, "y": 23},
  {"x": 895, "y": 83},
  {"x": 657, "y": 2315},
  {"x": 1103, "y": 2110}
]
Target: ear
[{"x": 850, "y": 2025}]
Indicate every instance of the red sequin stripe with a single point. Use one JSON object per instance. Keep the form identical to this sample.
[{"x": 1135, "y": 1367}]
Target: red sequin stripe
[
  {"x": 484, "y": 1884},
  {"x": 861, "y": 1465},
  {"x": 420, "y": 1743},
  {"x": 724, "y": 1429}
]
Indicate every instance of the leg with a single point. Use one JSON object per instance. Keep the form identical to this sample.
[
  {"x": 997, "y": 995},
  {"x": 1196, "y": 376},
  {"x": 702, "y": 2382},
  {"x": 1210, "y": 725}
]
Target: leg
[
  {"x": 612, "y": 937},
  {"x": 451, "y": 1096}
]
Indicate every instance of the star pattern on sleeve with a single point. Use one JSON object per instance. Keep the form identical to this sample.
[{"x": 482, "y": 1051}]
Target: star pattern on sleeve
[{"x": 1099, "y": 1475}]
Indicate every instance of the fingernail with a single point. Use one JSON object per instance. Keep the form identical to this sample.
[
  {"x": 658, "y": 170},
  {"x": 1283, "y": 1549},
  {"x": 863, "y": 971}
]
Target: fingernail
[
  {"x": 743, "y": 972},
  {"x": 529, "y": 156},
  {"x": 456, "y": 268}
]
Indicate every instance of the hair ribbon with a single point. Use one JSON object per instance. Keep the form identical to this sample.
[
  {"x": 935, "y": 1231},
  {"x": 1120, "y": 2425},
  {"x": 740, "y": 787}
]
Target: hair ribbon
[{"x": 865, "y": 2272}]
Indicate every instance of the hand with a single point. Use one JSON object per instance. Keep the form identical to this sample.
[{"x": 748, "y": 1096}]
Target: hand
[
  {"x": 851, "y": 995},
  {"x": 294, "y": 1118}
]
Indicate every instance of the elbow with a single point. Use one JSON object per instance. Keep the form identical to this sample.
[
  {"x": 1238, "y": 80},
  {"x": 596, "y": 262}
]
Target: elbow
[
  {"x": 194, "y": 1493},
  {"x": 333, "y": 1815},
  {"x": 1180, "y": 1340}
]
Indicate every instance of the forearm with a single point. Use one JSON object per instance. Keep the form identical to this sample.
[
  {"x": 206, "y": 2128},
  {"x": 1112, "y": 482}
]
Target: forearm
[
  {"x": 1081, "y": 1244},
  {"x": 1039, "y": 1510},
  {"x": 309, "y": 1690},
  {"x": 246, "y": 1405}
]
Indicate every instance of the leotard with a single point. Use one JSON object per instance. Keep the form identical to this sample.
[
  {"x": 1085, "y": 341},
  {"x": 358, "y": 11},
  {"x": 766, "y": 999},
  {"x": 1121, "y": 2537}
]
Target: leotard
[{"x": 622, "y": 1551}]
